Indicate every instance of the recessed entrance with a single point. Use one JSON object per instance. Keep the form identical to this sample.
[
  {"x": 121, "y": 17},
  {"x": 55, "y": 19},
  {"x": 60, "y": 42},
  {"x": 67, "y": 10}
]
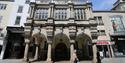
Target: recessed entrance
[
  {"x": 15, "y": 46},
  {"x": 61, "y": 52}
]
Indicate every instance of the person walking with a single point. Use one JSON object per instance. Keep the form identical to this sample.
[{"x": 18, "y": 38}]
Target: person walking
[
  {"x": 98, "y": 57},
  {"x": 75, "y": 59}
]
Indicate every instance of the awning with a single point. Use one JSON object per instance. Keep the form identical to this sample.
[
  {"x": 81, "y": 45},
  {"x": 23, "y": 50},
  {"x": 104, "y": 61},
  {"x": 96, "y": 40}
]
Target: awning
[{"x": 104, "y": 43}]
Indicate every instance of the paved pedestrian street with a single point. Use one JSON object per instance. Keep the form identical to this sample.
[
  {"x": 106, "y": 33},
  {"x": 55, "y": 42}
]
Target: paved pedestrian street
[{"x": 105, "y": 60}]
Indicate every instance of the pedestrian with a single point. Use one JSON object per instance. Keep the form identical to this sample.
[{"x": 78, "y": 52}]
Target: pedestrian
[
  {"x": 98, "y": 57},
  {"x": 75, "y": 60}
]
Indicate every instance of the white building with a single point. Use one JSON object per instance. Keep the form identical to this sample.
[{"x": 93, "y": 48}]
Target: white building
[{"x": 13, "y": 14}]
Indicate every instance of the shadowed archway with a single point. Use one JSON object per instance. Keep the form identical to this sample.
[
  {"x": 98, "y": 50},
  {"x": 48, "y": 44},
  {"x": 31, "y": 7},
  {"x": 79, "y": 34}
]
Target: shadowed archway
[
  {"x": 60, "y": 47},
  {"x": 83, "y": 45},
  {"x": 39, "y": 43},
  {"x": 61, "y": 52}
]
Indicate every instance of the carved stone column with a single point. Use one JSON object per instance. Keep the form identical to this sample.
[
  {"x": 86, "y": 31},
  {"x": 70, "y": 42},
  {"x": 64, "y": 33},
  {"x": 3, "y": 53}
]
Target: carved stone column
[
  {"x": 94, "y": 54},
  {"x": 72, "y": 51},
  {"x": 26, "y": 50},
  {"x": 49, "y": 60},
  {"x": 36, "y": 53}
]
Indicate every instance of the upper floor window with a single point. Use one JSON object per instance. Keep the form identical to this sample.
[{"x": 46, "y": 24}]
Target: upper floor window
[
  {"x": 101, "y": 32},
  {"x": 3, "y": 6},
  {"x": 27, "y": 1},
  {"x": 60, "y": 14},
  {"x": 117, "y": 23},
  {"x": 41, "y": 14},
  {"x": 1, "y": 17},
  {"x": 20, "y": 9},
  {"x": 99, "y": 20},
  {"x": 123, "y": 7},
  {"x": 18, "y": 18},
  {"x": 79, "y": 14}
]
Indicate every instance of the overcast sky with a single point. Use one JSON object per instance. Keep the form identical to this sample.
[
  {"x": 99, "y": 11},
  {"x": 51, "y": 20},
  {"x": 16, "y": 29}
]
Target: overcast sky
[{"x": 102, "y": 4}]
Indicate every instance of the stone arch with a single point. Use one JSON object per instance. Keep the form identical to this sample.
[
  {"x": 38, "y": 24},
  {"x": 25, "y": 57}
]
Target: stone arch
[
  {"x": 39, "y": 40},
  {"x": 62, "y": 40},
  {"x": 83, "y": 45},
  {"x": 61, "y": 37}
]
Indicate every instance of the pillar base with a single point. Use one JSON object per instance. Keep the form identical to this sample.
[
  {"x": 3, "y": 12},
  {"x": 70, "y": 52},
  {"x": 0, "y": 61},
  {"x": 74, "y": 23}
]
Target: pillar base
[
  {"x": 49, "y": 61},
  {"x": 94, "y": 61},
  {"x": 71, "y": 60},
  {"x": 25, "y": 59},
  {"x": 33, "y": 60}
]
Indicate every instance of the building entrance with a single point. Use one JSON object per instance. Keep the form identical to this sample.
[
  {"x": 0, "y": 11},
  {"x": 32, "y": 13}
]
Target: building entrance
[
  {"x": 61, "y": 52},
  {"x": 15, "y": 46},
  {"x": 15, "y": 43}
]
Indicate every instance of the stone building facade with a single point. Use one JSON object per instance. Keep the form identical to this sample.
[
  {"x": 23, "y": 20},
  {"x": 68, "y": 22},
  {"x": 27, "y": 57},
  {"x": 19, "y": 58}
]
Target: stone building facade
[
  {"x": 57, "y": 30},
  {"x": 64, "y": 26}
]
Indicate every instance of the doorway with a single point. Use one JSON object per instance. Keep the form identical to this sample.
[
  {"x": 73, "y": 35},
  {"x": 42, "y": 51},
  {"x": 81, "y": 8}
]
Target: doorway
[{"x": 61, "y": 52}]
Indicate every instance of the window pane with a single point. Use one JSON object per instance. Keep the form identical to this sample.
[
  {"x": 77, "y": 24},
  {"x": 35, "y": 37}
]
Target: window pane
[
  {"x": 41, "y": 14},
  {"x": 79, "y": 15},
  {"x": 18, "y": 18},
  {"x": 60, "y": 14},
  {"x": 27, "y": 1},
  {"x": 117, "y": 23},
  {"x": 20, "y": 9},
  {"x": 3, "y": 6}
]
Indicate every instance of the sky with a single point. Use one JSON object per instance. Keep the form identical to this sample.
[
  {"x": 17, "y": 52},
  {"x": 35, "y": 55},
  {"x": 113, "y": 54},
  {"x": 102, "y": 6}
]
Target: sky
[{"x": 103, "y": 4}]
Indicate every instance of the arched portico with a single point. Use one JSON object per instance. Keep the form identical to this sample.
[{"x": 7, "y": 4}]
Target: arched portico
[
  {"x": 39, "y": 46},
  {"x": 60, "y": 47},
  {"x": 83, "y": 45}
]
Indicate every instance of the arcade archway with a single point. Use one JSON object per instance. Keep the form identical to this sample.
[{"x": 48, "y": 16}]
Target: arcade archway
[
  {"x": 83, "y": 45},
  {"x": 61, "y": 47},
  {"x": 39, "y": 42},
  {"x": 61, "y": 52}
]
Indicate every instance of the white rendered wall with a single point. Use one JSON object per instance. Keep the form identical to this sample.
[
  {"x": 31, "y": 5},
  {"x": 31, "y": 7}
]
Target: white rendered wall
[{"x": 14, "y": 13}]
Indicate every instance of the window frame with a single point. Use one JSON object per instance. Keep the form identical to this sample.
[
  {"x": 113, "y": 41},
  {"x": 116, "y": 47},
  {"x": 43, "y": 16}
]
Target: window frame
[
  {"x": 17, "y": 21},
  {"x": 20, "y": 9}
]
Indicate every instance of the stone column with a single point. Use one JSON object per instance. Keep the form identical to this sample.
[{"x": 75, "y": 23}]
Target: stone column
[
  {"x": 87, "y": 13},
  {"x": 94, "y": 54},
  {"x": 49, "y": 53},
  {"x": 71, "y": 51},
  {"x": 109, "y": 51},
  {"x": 49, "y": 12},
  {"x": 36, "y": 53},
  {"x": 71, "y": 12},
  {"x": 112, "y": 52},
  {"x": 26, "y": 49},
  {"x": 52, "y": 11}
]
